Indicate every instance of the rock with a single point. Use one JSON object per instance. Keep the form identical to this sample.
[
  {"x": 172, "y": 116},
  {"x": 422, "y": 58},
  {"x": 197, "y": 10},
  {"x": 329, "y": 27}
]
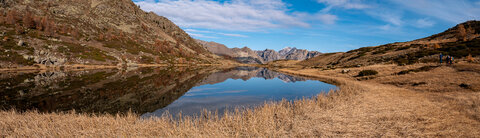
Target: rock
[
  {"x": 21, "y": 92},
  {"x": 20, "y": 43},
  {"x": 83, "y": 44},
  {"x": 27, "y": 57},
  {"x": 345, "y": 71}
]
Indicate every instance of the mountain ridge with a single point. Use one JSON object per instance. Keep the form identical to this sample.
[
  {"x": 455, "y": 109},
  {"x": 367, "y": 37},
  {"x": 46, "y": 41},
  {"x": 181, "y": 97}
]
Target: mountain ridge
[
  {"x": 249, "y": 56},
  {"x": 459, "y": 41}
]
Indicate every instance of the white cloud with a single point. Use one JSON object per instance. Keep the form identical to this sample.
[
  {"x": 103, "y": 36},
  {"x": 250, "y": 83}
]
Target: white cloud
[
  {"x": 197, "y": 31},
  {"x": 421, "y": 23},
  {"x": 386, "y": 27},
  {"x": 454, "y": 11},
  {"x": 207, "y": 34},
  {"x": 346, "y": 4},
  {"x": 234, "y": 35},
  {"x": 201, "y": 35},
  {"x": 235, "y": 15},
  {"x": 326, "y": 18}
]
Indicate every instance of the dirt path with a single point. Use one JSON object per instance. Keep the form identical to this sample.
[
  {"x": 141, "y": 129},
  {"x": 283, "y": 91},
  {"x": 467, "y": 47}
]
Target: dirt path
[{"x": 387, "y": 110}]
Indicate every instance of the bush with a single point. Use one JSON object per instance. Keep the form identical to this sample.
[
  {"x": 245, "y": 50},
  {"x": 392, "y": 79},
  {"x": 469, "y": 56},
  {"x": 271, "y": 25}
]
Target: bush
[
  {"x": 422, "y": 69},
  {"x": 367, "y": 73}
]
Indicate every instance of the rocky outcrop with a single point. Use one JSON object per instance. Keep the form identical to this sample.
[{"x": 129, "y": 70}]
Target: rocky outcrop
[
  {"x": 46, "y": 58},
  {"x": 298, "y": 54},
  {"x": 269, "y": 55}
]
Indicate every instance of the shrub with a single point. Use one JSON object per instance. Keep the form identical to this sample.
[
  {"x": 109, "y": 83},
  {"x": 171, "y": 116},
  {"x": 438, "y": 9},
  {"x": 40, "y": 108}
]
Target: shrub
[
  {"x": 11, "y": 15},
  {"x": 367, "y": 73},
  {"x": 470, "y": 58},
  {"x": 28, "y": 21},
  {"x": 422, "y": 69}
]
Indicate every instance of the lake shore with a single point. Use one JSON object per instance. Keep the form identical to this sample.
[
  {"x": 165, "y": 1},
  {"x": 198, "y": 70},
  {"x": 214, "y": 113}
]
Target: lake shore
[
  {"x": 427, "y": 103},
  {"x": 40, "y": 67}
]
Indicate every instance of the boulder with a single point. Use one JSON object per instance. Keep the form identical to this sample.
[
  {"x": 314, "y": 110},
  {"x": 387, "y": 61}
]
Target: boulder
[{"x": 21, "y": 43}]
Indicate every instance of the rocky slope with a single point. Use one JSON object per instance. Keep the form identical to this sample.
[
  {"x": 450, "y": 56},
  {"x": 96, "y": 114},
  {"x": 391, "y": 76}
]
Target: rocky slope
[
  {"x": 107, "y": 32},
  {"x": 246, "y": 55},
  {"x": 461, "y": 42}
]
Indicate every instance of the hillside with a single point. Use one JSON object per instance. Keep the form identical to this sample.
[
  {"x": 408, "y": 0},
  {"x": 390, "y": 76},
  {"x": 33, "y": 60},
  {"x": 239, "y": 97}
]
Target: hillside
[
  {"x": 99, "y": 32},
  {"x": 248, "y": 56},
  {"x": 460, "y": 41}
]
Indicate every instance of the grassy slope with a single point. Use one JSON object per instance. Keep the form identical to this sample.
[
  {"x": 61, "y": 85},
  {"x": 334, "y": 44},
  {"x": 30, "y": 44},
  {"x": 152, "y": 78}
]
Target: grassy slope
[
  {"x": 370, "y": 108},
  {"x": 423, "y": 50}
]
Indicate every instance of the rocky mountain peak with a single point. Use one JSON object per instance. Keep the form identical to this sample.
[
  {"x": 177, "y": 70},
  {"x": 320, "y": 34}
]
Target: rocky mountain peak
[
  {"x": 246, "y": 55},
  {"x": 286, "y": 50}
]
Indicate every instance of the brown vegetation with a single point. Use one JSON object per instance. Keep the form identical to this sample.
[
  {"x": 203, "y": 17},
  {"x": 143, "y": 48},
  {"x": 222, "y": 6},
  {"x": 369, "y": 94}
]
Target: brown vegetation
[
  {"x": 371, "y": 108},
  {"x": 11, "y": 17}
]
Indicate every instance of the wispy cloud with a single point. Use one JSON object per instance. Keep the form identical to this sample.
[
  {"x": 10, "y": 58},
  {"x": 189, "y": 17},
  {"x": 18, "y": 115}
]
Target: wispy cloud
[
  {"x": 234, "y": 35},
  {"x": 197, "y": 31},
  {"x": 391, "y": 17},
  {"x": 421, "y": 23},
  {"x": 201, "y": 35},
  {"x": 326, "y": 18},
  {"x": 454, "y": 11},
  {"x": 235, "y": 15},
  {"x": 346, "y": 4},
  {"x": 210, "y": 34}
]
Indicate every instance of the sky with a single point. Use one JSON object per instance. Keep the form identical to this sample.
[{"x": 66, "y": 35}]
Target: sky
[{"x": 321, "y": 25}]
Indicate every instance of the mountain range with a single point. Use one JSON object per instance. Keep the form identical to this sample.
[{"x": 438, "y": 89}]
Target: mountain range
[
  {"x": 119, "y": 33},
  {"x": 249, "y": 56}
]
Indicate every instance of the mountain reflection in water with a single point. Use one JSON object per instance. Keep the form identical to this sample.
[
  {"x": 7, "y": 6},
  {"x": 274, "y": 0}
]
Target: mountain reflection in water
[
  {"x": 150, "y": 91},
  {"x": 242, "y": 87}
]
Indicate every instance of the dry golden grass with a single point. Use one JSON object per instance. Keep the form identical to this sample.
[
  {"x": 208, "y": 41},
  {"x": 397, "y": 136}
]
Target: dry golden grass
[
  {"x": 358, "y": 109},
  {"x": 273, "y": 119}
]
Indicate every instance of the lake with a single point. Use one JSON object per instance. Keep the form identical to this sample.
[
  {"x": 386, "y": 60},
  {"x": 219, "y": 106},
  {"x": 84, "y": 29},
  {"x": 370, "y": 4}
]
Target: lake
[{"x": 152, "y": 91}]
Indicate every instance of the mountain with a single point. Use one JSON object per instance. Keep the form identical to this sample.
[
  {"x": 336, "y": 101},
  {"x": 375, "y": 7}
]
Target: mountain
[
  {"x": 459, "y": 41},
  {"x": 246, "y": 55},
  {"x": 246, "y": 73},
  {"x": 99, "y": 32}
]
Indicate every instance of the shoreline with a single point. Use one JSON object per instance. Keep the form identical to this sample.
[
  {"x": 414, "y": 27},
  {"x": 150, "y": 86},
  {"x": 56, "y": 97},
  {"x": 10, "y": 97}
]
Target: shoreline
[{"x": 39, "y": 67}]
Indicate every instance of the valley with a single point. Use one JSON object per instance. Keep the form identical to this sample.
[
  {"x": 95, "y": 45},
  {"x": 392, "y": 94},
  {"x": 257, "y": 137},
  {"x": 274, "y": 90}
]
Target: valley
[{"x": 109, "y": 68}]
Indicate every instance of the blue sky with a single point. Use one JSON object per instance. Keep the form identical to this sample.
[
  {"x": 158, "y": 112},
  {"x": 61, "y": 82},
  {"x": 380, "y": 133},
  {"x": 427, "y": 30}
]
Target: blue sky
[{"x": 322, "y": 25}]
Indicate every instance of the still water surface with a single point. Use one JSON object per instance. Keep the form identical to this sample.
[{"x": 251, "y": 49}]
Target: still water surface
[{"x": 152, "y": 91}]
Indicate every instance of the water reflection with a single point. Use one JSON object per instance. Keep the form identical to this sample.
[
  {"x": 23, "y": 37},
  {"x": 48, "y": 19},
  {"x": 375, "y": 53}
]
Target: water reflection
[
  {"x": 98, "y": 91},
  {"x": 150, "y": 91},
  {"x": 242, "y": 87}
]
